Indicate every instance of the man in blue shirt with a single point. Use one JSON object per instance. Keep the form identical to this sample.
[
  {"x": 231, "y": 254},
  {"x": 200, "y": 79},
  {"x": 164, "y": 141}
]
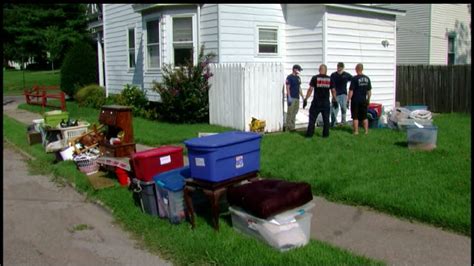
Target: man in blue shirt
[
  {"x": 339, "y": 80},
  {"x": 359, "y": 98},
  {"x": 293, "y": 91}
]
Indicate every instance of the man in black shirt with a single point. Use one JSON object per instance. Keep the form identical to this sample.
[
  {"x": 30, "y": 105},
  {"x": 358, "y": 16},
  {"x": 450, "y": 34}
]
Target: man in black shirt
[
  {"x": 321, "y": 84},
  {"x": 339, "y": 80},
  {"x": 359, "y": 98}
]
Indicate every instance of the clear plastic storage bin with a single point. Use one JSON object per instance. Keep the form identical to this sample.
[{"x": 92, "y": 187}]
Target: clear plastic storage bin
[
  {"x": 285, "y": 231},
  {"x": 422, "y": 138}
]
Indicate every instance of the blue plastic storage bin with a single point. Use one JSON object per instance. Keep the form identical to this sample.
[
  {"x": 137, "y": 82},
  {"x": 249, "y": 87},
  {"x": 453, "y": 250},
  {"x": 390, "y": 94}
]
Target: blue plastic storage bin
[
  {"x": 223, "y": 156},
  {"x": 169, "y": 190},
  {"x": 416, "y": 107}
]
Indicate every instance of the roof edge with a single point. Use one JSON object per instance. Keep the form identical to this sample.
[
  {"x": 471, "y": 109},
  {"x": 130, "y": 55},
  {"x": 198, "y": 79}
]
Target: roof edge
[{"x": 380, "y": 10}]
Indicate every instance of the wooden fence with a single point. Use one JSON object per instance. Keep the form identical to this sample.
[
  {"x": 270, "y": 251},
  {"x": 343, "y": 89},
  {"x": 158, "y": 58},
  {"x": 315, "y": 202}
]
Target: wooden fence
[
  {"x": 443, "y": 89},
  {"x": 245, "y": 90}
]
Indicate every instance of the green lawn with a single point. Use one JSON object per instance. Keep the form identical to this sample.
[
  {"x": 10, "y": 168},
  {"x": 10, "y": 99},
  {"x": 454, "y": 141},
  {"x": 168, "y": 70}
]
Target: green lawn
[
  {"x": 377, "y": 170},
  {"x": 13, "y": 80},
  {"x": 178, "y": 243}
]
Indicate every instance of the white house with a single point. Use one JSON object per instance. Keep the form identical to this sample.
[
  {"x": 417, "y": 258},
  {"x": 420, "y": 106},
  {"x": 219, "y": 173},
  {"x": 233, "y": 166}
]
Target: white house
[
  {"x": 437, "y": 34},
  {"x": 140, "y": 38}
]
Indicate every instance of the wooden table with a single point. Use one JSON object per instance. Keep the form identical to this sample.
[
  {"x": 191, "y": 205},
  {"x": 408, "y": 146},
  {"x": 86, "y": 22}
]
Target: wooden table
[{"x": 214, "y": 191}]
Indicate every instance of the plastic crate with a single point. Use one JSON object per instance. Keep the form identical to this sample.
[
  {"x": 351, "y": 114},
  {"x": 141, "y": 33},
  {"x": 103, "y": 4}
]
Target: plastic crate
[
  {"x": 223, "y": 156},
  {"x": 169, "y": 188},
  {"x": 416, "y": 107},
  {"x": 53, "y": 118},
  {"x": 422, "y": 138},
  {"x": 69, "y": 133},
  {"x": 146, "y": 164},
  {"x": 291, "y": 231}
]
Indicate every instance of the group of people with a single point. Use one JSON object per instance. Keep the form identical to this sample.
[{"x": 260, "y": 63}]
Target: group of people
[{"x": 326, "y": 87}]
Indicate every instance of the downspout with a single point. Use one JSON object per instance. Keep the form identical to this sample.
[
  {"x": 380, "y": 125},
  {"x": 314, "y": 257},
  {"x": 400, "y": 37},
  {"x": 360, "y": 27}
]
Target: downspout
[
  {"x": 100, "y": 59},
  {"x": 325, "y": 36},
  {"x": 104, "y": 20},
  {"x": 198, "y": 32}
]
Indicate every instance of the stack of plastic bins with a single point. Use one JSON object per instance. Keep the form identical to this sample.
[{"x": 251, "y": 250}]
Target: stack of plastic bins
[
  {"x": 284, "y": 231},
  {"x": 146, "y": 164},
  {"x": 169, "y": 190},
  {"x": 147, "y": 196},
  {"x": 223, "y": 156}
]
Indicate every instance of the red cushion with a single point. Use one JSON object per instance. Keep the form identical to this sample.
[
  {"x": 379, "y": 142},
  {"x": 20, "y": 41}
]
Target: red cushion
[{"x": 264, "y": 198}]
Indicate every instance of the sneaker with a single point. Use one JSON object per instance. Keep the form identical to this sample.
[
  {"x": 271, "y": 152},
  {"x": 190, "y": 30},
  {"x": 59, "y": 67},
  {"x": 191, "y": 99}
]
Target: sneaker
[{"x": 356, "y": 133}]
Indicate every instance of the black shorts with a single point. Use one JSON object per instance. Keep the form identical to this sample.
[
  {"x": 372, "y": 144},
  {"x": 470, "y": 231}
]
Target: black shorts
[{"x": 359, "y": 111}]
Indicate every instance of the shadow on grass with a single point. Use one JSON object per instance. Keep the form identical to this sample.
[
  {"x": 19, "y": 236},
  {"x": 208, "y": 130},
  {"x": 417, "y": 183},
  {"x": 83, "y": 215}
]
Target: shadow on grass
[{"x": 402, "y": 144}]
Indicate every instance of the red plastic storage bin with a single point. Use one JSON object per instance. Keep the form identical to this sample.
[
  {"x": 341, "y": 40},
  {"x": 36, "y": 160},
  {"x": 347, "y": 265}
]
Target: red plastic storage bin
[
  {"x": 377, "y": 107},
  {"x": 146, "y": 164}
]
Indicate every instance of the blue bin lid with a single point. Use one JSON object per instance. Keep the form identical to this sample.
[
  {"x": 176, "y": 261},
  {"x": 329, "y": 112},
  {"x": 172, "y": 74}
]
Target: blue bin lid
[
  {"x": 174, "y": 179},
  {"x": 221, "y": 139}
]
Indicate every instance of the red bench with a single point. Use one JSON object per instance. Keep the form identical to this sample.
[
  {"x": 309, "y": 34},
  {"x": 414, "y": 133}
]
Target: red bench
[{"x": 39, "y": 95}]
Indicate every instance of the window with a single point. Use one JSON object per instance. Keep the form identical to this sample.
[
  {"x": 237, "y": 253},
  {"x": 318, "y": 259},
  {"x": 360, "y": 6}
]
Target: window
[
  {"x": 267, "y": 41},
  {"x": 153, "y": 43},
  {"x": 451, "y": 49},
  {"x": 131, "y": 48},
  {"x": 182, "y": 40}
]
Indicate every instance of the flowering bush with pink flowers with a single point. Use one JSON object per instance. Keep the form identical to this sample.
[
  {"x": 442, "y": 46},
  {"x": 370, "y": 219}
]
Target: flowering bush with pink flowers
[{"x": 184, "y": 91}]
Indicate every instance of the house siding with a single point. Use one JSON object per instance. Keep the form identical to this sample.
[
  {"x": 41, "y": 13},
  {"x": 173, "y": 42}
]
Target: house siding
[
  {"x": 119, "y": 17},
  {"x": 356, "y": 37},
  {"x": 238, "y": 31},
  {"x": 209, "y": 29},
  {"x": 448, "y": 18},
  {"x": 304, "y": 40},
  {"x": 413, "y": 32}
]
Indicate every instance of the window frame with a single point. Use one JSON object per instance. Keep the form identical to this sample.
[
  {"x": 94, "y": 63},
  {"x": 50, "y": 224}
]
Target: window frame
[
  {"x": 130, "y": 49},
  {"x": 451, "y": 36},
  {"x": 276, "y": 42},
  {"x": 194, "y": 36},
  {"x": 155, "y": 17}
]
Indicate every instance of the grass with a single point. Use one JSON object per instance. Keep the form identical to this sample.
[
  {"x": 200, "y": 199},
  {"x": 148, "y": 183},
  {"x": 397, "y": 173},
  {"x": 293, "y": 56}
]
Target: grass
[
  {"x": 378, "y": 170},
  {"x": 178, "y": 243},
  {"x": 13, "y": 80}
]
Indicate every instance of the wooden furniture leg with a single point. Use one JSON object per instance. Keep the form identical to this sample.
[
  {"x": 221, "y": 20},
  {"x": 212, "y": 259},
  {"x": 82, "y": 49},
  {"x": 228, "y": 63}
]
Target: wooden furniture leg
[
  {"x": 189, "y": 204},
  {"x": 214, "y": 196}
]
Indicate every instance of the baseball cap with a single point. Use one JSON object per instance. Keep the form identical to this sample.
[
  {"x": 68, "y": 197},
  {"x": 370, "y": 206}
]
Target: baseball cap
[
  {"x": 340, "y": 64},
  {"x": 297, "y": 67}
]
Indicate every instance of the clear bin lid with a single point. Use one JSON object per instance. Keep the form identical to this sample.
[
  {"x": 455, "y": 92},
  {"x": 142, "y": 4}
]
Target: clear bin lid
[{"x": 221, "y": 139}]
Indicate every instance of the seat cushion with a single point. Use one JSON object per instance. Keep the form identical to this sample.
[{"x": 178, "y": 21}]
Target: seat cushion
[{"x": 264, "y": 198}]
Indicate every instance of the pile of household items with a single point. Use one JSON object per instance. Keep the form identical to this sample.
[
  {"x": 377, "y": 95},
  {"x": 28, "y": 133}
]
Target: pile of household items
[
  {"x": 223, "y": 166},
  {"x": 417, "y": 121}
]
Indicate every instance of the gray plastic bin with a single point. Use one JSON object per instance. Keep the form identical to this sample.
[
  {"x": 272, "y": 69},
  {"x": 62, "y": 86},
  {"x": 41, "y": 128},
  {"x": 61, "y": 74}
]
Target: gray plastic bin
[{"x": 147, "y": 196}]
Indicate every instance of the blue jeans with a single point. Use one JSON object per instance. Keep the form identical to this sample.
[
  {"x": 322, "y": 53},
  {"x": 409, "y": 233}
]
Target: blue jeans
[{"x": 342, "y": 101}]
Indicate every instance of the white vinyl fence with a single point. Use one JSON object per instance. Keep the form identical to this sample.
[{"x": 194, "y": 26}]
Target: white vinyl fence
[{"x": 240, "y": 91}]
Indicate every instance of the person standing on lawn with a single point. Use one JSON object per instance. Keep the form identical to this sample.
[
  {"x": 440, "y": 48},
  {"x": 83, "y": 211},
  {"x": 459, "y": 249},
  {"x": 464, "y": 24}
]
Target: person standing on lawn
[
  {"x": 360, "y": 91},
  {"x": 321, "y": 84},
  {"x": 339, "y": 80},
  {"x": 293, "y": 91}
]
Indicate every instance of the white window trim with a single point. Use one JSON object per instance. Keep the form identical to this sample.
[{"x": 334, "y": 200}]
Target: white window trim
[
  {"x": 128, "y": 47},
  {"x": 159, "y": 17},
  {"x": 194, "y": 30},
  {"x": 257, "y": 41}
]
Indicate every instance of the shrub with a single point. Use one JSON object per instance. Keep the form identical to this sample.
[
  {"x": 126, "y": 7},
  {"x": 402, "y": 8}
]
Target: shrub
[
  {"x": 91, "y": 96},
  {"x": 134, "y": 97},
  {"x": 79, "y": 68},
  {"x": 184, "y": 91}
]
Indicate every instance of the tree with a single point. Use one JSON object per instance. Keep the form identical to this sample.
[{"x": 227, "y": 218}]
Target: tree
[{"x": 33, "y": 30}]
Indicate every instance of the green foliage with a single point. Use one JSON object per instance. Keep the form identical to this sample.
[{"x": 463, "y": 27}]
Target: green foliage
[
  {"x": 13, "y": 80},
  {"x": 91, "y": 96},
  {"x": 32, "y": 30},
  {"x": 79, "y": 68},
  {"x": 184, "y": 91},
  {"x": 134, "y": 97}
]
